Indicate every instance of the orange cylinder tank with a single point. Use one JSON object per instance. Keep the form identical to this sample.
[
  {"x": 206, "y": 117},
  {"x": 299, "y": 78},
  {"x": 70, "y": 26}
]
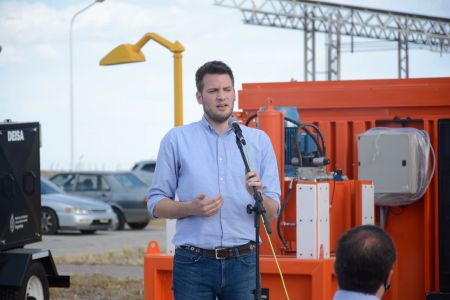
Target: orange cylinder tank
[{"x": 271, "y": 122}]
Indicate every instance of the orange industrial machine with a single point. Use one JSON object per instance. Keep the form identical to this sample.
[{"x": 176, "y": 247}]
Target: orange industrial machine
[{"x": 318, "y": 131}]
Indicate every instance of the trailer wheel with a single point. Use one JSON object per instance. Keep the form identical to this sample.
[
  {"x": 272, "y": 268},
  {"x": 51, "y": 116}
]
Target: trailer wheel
[
  {"x": 49, "y": 221},
  {"x": 35, "y": 285}
]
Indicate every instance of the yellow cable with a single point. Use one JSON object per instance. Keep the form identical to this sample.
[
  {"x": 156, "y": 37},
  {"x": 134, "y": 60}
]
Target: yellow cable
[
  {"x": 268, "y": 238},
  {"x": 276, "y": 261}
]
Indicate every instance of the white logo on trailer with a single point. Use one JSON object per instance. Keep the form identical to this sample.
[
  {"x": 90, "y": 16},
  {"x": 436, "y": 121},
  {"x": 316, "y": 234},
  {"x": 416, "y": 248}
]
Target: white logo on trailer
[
  {"x": 15, "y": 136},
  {"x": 12, "y": 223}
]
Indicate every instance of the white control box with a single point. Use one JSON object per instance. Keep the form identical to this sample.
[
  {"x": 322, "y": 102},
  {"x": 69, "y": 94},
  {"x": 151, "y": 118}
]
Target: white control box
[
  {"x": 313, "y": 220},
  {"x": 391, "y": 161}
]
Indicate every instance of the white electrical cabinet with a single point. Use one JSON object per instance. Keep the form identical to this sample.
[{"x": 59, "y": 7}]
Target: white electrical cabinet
[{"x": 390, "y": 160}]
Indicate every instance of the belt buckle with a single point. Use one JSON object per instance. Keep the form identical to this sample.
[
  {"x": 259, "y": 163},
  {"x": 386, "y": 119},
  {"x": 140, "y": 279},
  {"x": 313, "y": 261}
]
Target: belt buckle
[{"x": 216, "y": 252}]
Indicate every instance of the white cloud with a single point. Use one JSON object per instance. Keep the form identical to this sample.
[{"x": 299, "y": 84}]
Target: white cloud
[
  {"x": 46, "y": 51},
  {"x": 9, "y": 55},
  {"x": 30, "y": 22}
]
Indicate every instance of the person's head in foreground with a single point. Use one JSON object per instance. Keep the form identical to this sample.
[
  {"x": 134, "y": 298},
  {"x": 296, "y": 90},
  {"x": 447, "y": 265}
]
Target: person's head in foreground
[{"x": 365, "y": 256}]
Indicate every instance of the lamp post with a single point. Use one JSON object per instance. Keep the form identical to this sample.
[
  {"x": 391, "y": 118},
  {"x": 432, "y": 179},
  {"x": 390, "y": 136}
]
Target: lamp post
[
  {"x": 71, "y": 78},
  {"x": 128, "y": 53}
]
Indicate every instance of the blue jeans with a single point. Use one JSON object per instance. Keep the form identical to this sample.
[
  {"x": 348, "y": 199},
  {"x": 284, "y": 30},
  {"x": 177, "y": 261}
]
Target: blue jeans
[{"x": 197, "y": 277}]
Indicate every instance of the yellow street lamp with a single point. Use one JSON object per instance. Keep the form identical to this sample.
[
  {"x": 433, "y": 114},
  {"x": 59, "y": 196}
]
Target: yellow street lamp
[{"x": 128, "y": 53}]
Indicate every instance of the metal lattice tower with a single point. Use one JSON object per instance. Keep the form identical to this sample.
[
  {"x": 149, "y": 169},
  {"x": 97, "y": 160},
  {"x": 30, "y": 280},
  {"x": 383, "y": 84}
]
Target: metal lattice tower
[
  {"x": 336, "y": 20},
  {"x": 310, "y": 47}
]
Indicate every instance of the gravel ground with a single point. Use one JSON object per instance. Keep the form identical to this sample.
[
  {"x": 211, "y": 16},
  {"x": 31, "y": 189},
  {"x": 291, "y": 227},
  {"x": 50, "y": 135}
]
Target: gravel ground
[
  {"x": 136, "y": 272},
  {"x": 75, "y": 244}
]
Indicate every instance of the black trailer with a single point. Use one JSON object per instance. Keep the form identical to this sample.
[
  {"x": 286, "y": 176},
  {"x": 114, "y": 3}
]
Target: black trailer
[{"x": 24, "y": 273}]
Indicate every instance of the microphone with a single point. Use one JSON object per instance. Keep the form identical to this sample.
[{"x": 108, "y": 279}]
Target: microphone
[{"x": 237, "y": 129}]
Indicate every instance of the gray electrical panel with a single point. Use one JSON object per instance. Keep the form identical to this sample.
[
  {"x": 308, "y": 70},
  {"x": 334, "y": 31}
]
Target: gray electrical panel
[{"x": 390, "y": 160}]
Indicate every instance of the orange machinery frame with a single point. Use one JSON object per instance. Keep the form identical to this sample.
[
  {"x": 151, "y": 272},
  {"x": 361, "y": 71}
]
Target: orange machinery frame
[{"x": 342, "y": 110}]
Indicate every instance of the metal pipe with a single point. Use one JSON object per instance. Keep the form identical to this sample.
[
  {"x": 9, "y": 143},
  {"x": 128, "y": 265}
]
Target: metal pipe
[{"x": 71, "y": 80}]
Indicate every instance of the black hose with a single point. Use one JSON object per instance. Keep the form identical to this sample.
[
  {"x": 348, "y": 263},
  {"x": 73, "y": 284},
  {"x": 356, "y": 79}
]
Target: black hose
[
  {"x": 250, "y": 119},
  {"x": 322, "y": 150},
  {"x": 283, "y": 207}
]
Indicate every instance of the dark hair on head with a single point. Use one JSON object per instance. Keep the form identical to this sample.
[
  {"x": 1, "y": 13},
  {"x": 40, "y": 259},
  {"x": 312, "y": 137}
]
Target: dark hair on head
[
  {"x": 211, "y": 67},
  {"x": 364, "y": 257}
]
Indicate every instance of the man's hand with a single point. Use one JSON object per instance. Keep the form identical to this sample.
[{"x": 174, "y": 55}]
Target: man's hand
[
  {"x": 253, "y": 180},
  {"x": 202, "y": 206}
]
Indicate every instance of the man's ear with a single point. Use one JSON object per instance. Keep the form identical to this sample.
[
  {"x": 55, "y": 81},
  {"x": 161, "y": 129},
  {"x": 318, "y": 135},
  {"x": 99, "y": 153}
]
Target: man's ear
[
  {"x": 390, "y": 276},
  {"x": 387, "y": 284},
  {"x": 198, "y": 95}
]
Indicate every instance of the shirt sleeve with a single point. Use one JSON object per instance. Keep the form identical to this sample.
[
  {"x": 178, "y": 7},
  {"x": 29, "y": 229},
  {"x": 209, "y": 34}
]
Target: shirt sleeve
[
  {"x": 269, "y": 170},
  {"x": 165, "y": 178}
]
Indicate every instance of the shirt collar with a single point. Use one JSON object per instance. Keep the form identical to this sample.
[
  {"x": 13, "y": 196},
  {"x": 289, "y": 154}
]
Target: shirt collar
[
  {"x": 346, "y": 294},
  {"x": 204, "y": 122}
]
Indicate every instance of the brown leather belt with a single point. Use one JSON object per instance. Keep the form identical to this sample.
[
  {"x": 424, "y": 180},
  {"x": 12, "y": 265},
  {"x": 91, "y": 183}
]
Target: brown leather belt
[{"x": 222, "y": 253}]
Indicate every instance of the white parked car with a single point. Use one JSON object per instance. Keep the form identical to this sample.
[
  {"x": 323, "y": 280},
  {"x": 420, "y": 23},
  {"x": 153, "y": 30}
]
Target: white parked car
[
  {"x": 144, "y": 170},
  {"x": 61, "y": 211}
]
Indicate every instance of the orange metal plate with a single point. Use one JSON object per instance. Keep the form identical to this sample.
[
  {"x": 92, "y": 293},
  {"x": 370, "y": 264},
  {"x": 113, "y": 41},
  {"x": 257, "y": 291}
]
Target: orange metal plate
[{"x": 305, "y": 279}]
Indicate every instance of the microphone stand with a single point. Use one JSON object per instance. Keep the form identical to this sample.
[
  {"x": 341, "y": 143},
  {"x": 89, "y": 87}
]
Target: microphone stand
[{"x": 258, "y": 209}]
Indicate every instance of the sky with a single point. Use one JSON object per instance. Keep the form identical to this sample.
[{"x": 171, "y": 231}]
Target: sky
[{"x": 122, "y": 112}]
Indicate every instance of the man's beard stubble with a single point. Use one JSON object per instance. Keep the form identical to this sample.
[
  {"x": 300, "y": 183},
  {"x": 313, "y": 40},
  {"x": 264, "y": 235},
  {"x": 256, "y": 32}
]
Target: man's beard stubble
[{"x": 217, "y": 118}]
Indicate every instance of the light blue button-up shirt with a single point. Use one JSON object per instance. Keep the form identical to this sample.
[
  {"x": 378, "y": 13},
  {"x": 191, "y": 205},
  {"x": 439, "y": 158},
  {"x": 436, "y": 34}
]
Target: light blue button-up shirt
[
  {"x": 194, "y": 159},
  {"x": 350, "y": 295}
]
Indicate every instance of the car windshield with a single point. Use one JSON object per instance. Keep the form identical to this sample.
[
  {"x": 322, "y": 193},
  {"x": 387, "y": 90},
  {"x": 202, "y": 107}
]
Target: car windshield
[
  {"x": 145, "y": 166},
  {"x": 48, "y": 187},
  {"x": 129, "y": 181}
]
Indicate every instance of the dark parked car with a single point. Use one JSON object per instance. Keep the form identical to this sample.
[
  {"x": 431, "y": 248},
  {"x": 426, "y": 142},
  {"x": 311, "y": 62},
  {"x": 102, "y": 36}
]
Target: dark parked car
[
  {"x": 125, "y": 192},
  {"x": 61, "y": 211}
]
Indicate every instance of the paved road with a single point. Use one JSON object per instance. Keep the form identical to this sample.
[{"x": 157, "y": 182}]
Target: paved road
[{"x": 74, "y": 243}]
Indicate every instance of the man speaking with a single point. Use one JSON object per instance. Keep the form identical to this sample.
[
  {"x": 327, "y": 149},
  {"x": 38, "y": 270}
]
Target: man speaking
[{"x": 201, "y": 165}]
